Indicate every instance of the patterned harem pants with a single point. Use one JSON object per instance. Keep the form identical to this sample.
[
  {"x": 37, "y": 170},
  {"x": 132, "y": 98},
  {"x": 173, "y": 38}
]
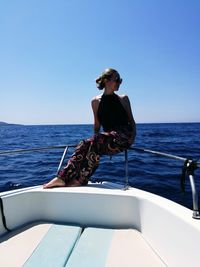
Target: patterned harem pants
[{"x": 85, "y": 159}]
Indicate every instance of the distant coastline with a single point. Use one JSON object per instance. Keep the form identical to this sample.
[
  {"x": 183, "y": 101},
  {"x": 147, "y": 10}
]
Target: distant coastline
[{"x": 2, "y": 123}]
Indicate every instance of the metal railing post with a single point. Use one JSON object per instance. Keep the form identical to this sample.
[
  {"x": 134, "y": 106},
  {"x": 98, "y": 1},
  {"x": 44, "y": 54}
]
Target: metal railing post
[
  {"x": 62, "y": 159},
  {"x": 196, "y": 214},
  {"x": 126, "y": 186}
]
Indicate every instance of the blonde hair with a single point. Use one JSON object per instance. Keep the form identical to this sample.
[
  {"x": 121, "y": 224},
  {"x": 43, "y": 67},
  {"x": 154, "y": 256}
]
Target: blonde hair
[{"x": 106, "y": 75}]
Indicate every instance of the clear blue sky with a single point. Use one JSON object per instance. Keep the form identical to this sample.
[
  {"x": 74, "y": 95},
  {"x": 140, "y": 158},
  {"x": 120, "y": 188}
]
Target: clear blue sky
[{"x": 52, "y": 51}]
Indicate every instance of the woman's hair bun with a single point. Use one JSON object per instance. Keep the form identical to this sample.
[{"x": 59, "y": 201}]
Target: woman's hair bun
[{"x": 100, "y": 82}]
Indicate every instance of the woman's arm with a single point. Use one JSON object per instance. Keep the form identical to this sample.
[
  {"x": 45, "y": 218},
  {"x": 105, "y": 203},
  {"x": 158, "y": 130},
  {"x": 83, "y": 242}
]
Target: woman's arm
[
  {"x": 127, "y": 106},
  {"x": 95, "y": 105}
]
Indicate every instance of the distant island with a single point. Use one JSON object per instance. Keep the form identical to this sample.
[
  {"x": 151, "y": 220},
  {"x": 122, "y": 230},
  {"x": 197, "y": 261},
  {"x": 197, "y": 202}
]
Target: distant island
[{"x": 2, "y": 123}]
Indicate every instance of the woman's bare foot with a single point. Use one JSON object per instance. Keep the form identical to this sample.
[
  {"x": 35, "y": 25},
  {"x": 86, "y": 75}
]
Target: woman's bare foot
[{"x": 56, "y": 182}]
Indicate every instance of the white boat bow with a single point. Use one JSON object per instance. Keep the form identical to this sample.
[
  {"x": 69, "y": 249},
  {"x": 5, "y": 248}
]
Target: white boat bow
[
  {"x": 166, "y": 228},
  {"x": 98, "y": 225}
]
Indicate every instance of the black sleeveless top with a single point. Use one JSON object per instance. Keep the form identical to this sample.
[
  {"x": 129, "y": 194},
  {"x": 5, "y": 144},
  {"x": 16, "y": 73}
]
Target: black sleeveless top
[{"x": 111, "y": 113}]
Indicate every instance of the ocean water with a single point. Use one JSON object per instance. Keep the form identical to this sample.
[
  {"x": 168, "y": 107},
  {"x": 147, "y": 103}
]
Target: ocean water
[{"x": 149, "y": 172}]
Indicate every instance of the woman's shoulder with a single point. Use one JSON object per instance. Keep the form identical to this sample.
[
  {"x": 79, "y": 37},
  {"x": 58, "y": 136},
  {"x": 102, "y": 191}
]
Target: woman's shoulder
[
  {"x": 123, "y": 97},
  {"x": 96, "y": 98},
  {"x": 95, "y": 102}
]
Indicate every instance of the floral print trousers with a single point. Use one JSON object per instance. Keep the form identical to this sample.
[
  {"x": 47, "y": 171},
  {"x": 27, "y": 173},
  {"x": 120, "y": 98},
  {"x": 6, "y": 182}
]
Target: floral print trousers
[{"x": 85, "y": 159}]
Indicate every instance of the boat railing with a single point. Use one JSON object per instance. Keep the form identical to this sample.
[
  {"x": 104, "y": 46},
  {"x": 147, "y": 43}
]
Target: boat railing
[{"x": 189, "y": 167}]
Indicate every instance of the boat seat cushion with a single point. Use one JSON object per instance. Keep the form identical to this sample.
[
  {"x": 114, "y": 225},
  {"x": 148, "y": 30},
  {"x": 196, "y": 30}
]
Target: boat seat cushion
[
  {"x": 112, "y": 248},
  {"x": 55, "y": 247}
]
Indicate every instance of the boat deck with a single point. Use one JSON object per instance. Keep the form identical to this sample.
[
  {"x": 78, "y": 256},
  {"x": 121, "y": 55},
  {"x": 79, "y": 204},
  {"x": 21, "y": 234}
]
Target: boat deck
[{"x": 56, "y": 245}]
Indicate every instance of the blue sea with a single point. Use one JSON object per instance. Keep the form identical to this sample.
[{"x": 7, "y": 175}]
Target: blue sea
[{"x": 149, "y": 172}]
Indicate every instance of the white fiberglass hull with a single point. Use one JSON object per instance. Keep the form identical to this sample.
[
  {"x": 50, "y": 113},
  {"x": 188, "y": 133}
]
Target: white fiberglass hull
[{"x": 166, "y": 226}]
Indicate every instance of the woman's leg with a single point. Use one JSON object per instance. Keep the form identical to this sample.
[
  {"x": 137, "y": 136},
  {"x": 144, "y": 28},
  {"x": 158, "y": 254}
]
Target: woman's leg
[
  {"x": 85, "y": 159},
  {"x": 80, "y": 165}
]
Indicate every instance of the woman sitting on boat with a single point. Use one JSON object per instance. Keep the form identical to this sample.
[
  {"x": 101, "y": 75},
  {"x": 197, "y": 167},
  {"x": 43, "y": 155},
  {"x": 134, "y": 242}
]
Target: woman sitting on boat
[{"x": 113, "y": 113}]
